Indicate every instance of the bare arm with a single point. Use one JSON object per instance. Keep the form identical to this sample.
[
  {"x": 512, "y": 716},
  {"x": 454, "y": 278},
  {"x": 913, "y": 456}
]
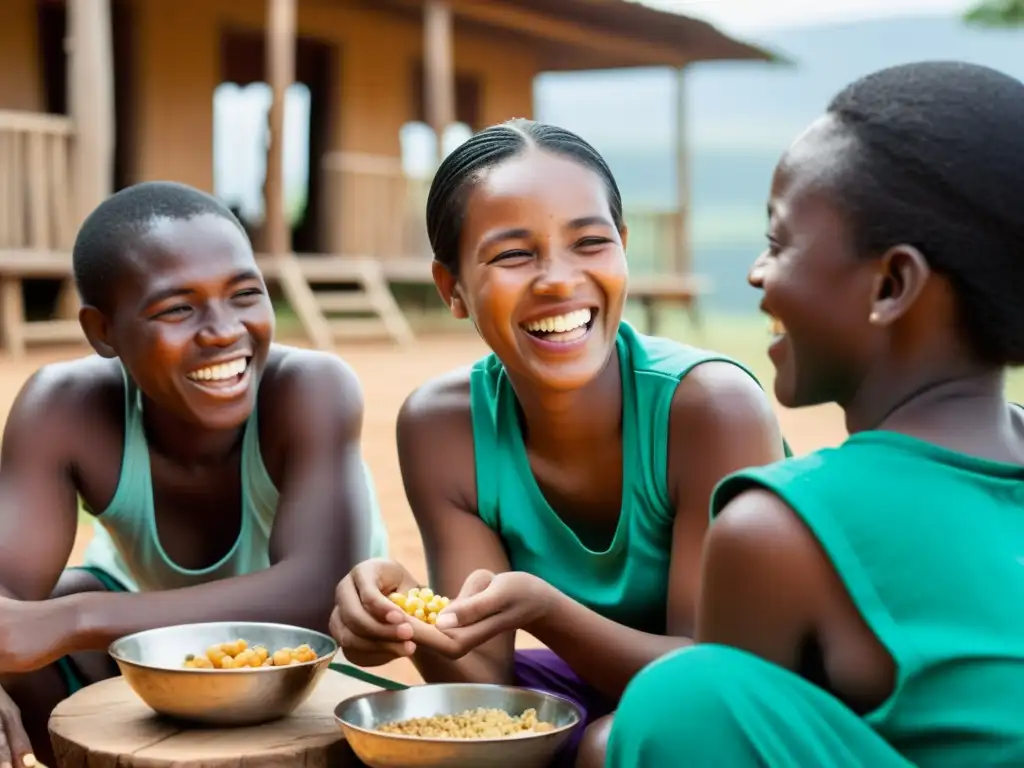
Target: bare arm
[
  {"x": 769, "y": 589},
  {"x": 435, "y": 450},
  {"x": 721, "y": 422},
  {"x": 320, "y": 531},
  {"x": 38, "y": 503}
]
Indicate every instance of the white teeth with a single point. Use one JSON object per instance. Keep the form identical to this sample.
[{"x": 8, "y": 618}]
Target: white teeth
[
  {"x": 777, "y": 328},
  {"x": 560, "y": 323},
  {"x": 221, "y": 372}
]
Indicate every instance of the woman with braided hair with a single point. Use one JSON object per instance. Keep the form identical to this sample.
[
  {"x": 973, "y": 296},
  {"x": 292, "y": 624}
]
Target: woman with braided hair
[{"x": 561, "y": 484}]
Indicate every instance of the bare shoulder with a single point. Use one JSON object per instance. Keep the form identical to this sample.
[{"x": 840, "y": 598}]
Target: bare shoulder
[
  {"x": 722, "y": 390},
  {"x": 435, "y": 440},
  {"x": 306, "y": 387},
  {"x": 71, "y": 397}
]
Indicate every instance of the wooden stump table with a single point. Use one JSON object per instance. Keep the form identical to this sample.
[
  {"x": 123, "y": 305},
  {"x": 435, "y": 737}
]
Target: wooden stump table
[{"x": 107, "y": 726}]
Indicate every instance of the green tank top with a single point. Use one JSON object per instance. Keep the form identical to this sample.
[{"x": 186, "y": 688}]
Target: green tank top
[
  {"x": 125, "y": 541},
  {"x": 628, "y": 582},
  {"x": 930, "y": 546}
]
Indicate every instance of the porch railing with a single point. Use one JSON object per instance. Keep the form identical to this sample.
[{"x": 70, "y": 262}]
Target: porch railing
[{"x": 36, "y": 195}]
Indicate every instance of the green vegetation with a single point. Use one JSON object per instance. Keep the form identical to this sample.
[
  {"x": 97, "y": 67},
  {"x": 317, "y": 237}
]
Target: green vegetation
[{"x": 997, "y": 13}]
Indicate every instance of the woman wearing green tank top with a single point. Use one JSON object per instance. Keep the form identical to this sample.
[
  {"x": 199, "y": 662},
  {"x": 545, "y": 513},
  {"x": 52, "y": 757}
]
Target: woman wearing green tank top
[
  {"x": 561, "y": 484},
  {"x": 863, "y": 606}
]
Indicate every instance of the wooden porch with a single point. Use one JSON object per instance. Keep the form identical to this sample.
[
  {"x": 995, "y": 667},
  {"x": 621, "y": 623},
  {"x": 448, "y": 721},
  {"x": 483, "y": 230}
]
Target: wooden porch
[{"x": 54, "y": 169}]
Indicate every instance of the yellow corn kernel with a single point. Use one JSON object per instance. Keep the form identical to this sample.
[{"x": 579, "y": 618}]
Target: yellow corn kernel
[
  {"x": 420, "y": 614},
  {"x": 398, "y": 599},
  {"x": 432, "y": 617},
  {"x": 426, "y": 594}
]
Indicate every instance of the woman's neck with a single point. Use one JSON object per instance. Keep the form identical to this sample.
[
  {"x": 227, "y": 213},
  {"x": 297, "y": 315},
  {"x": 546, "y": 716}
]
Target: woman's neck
[{"x": 555, "y": 420}]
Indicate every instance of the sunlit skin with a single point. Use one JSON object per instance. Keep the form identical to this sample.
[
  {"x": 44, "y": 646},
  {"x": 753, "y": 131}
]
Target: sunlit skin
[
  {"x": 538, "y": 240},
  {"x": 190, "y": 296}
]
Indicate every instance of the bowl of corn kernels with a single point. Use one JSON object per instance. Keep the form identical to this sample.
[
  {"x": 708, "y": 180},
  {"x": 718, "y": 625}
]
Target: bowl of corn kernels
[{"x": 224, "y": 673}]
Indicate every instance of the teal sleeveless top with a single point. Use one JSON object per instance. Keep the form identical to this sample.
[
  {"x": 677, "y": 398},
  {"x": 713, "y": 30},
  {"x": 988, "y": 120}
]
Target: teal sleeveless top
[
  {"x": 930, "y": 546},
  {"x": 628, "y": 582},
  {"x": 125, "y": 542}
]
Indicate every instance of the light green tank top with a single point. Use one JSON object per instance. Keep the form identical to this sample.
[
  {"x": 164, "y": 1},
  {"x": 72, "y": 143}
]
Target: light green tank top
[
  {"x": 127, "y": 546},
  {"x": 930, "y": 546},
  {"x": 627, "y": 582}
]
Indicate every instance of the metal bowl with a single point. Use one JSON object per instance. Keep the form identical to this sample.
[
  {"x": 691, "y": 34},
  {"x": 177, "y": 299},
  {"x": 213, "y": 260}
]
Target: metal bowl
[
  {"x": 152, "y": 662},
  {"x": 360, "y": 716}
]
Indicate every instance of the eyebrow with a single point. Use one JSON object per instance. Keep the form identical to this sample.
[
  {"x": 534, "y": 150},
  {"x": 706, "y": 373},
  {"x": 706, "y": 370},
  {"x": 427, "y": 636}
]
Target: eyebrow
[
  {"x": 169, "y": 293},
  {"x": 522, "y": 234}
]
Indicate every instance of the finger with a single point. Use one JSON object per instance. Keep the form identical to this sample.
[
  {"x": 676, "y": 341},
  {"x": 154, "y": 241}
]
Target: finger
[
  {"x": 351, "y": 643},
  {"x": 475, "y": 583},
  {"x": 5, "y": 749},
  {"x": 466, "y": 638},
  {"x": 427, "y": 636},
  {"x": 19, "y": 747},
  {"x": 465, "y": 611},
  {"x": 353, "y": 616},
  {"x": 370, "y": 585}
]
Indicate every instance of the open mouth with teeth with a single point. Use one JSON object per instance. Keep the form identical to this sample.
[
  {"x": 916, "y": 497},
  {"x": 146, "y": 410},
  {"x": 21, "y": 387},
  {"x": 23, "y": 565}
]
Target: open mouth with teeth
[
  {"x": 221, "y": 375},
  {"x": 776, "y": 327},
  {"x": 562, "y": 329}
]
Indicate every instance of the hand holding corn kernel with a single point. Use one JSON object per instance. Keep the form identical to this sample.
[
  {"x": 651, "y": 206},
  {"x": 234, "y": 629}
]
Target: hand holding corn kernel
[{"x": 420, "y": 603}]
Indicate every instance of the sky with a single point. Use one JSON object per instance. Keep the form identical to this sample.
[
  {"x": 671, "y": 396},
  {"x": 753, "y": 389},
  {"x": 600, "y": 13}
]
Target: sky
[{"x": 751, "y": 16}]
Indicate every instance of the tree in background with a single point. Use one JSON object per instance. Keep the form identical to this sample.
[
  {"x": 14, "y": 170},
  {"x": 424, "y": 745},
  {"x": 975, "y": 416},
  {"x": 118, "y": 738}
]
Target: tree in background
[{"x": 997, "y": 13}]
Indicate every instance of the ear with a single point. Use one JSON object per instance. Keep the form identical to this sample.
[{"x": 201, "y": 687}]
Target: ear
[
  {"x": 902, "y": 274},
  {"x": 624, "y": 235},
  {"x": 449, "y": 289},
  {"x": 97, "y": 330}
]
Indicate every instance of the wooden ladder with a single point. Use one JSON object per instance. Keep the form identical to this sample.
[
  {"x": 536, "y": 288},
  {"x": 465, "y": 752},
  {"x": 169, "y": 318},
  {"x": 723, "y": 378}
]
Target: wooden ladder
[{"x": 326, "y": 315}]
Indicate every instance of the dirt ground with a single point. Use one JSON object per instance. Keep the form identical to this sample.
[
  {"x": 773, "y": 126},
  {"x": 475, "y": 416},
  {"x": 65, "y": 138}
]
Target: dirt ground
[{"x": 388, "y": 374}]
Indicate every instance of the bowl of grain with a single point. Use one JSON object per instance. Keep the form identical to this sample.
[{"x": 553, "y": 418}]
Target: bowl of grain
[
  {"x": 459, "y": 724},
  {"x": 230, "y": 673}
]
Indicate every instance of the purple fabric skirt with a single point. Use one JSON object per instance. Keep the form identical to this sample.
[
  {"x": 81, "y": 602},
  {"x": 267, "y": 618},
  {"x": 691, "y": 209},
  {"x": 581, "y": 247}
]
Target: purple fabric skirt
[{"x": 542, "y": 670}]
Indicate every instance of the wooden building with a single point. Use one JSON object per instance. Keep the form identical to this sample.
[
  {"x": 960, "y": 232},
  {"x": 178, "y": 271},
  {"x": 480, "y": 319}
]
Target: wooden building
[{"x": 99, "y": 94}]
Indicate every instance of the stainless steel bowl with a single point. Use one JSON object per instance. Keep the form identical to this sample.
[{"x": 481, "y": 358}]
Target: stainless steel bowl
[
  {"x": 359, "y": 717},
  {"x": 151, "y": 663}
]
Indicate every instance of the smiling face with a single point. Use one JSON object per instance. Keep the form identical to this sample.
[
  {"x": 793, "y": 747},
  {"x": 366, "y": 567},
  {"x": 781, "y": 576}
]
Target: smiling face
[
  {"x": 542, "y": 269},
  {"x": 192, "y": 322},
  {"x": 818, "y": 291}
]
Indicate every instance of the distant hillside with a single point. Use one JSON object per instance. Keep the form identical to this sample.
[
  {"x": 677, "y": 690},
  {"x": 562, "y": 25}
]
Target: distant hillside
[{"x": 742, "y": 117}]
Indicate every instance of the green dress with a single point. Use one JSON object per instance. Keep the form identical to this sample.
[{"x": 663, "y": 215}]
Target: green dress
[{"x": 930, "y": 546}]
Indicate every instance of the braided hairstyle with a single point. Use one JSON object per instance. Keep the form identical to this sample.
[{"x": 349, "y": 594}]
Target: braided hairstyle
[
  {"x": 446, "y": 204},
  {"x": 936, "y": 161}
]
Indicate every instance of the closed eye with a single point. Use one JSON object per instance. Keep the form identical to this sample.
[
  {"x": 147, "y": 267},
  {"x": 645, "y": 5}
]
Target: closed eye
[{"x": 505, "y": 255}]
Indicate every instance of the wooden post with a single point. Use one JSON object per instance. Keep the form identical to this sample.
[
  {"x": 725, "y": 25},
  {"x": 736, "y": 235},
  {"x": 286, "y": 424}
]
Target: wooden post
[
  {"x": 90, "y": 78},
  {"x": 439, "y": 69},
  {"x": 683, "y": 257},
  {"x": 280, "y": 54}
]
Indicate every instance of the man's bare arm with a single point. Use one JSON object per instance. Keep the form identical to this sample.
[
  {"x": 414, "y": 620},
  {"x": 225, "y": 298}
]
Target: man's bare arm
[{"x": 38, "y": 502}]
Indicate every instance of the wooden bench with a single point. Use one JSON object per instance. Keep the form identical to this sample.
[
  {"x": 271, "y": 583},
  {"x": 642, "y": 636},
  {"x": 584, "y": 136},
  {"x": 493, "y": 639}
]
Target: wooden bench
[
  {"x": 654, "y": 290},
  {"x": 16, "y": 331}
]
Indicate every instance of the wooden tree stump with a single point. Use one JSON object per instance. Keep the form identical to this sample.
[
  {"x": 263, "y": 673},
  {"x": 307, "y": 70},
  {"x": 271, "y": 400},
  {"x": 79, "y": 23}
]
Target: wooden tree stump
[{"x": 107, "y": 726}]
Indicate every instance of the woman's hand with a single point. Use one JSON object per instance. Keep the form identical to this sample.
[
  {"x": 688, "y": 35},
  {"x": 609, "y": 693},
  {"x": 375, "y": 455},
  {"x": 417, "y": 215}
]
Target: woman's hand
[
  {"x": 489, "y": 605},
  {"x": 370, "y": 629}
]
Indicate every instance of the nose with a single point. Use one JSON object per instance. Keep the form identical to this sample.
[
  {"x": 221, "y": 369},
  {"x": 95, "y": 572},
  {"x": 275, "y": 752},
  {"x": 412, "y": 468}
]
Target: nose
[
  {"x": 560, "y": 277},
  {"x": 222, "y": 329},
  {"x": 756, "y": 274}
]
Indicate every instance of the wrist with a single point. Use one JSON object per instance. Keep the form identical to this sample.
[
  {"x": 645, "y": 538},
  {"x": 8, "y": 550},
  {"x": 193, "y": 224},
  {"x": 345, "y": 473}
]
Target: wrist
[
  {"x": 79, "y": 618},
  {"x": 542, "y": 600}
]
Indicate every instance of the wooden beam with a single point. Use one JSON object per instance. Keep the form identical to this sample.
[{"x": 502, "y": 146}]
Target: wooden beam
[
  {"x": 552, "y": 28},
  {"x": 438, "y": 69},
  {"x": 91, "y": 101},
  {"x": 280, "y": 54},
  {"x": 90, "y": 81},
  {"x": 683, "y": 256}
]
